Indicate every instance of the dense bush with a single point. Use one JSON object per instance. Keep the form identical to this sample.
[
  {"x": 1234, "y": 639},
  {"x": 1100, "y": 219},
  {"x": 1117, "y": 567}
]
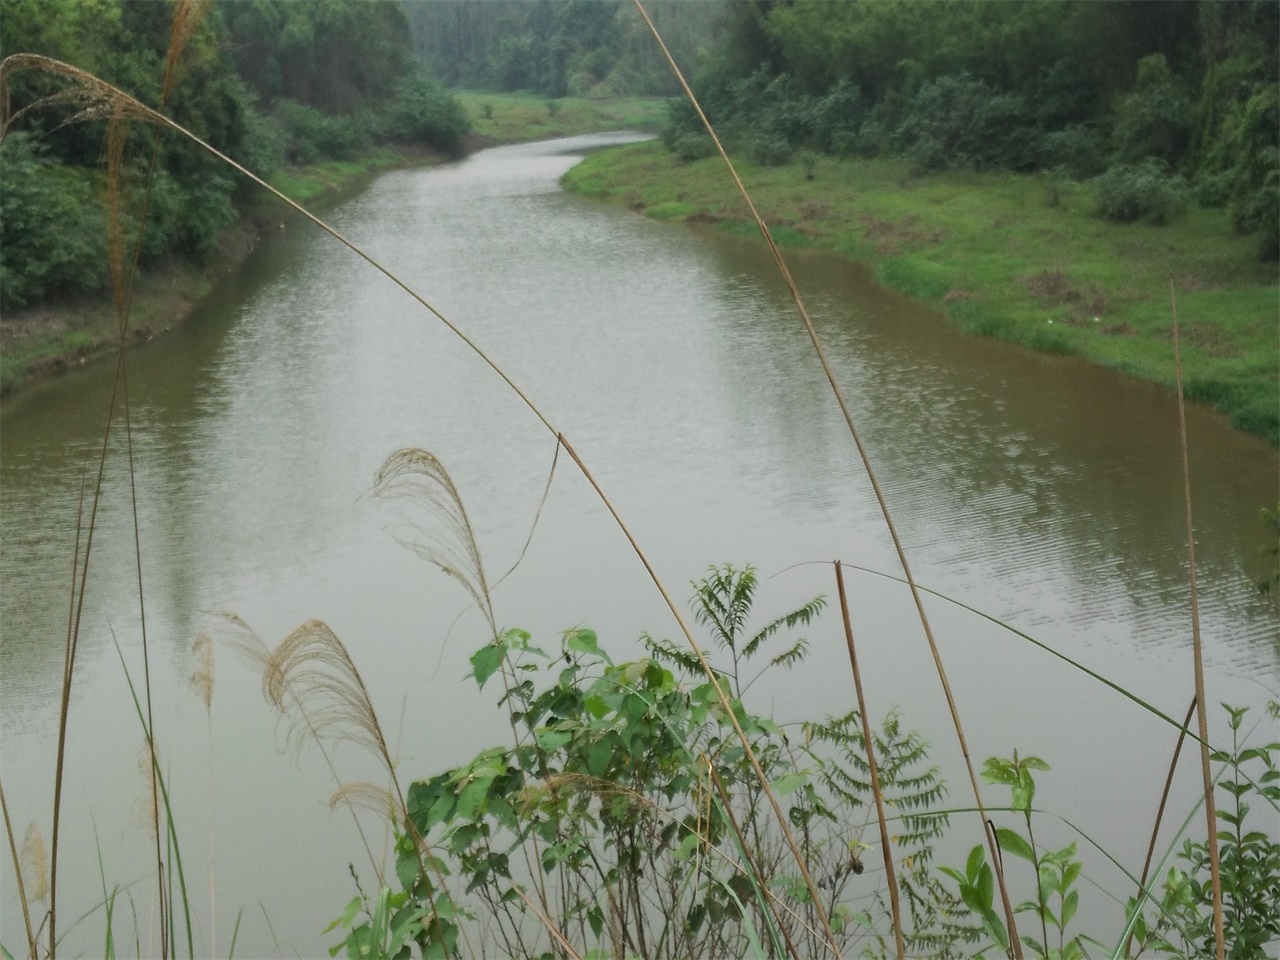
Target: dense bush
[
  {"x": 962, "y": 122},
  {"x": 51, "y": 228},
  {"x": 1154, "y": 119},
  {"x": 425, "y": 112},
  {"x": 1145, "y": 191}
]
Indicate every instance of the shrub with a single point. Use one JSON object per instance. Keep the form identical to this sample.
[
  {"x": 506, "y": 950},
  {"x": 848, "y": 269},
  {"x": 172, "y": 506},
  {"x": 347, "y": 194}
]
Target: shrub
[
  {"x": 1155, "y": 118},
  {"x": 961, "y": 122},
  {"x": 425, "y": 112},
  {"x": 1077, "y": 149},
  {"x": 51, "y": 230},
  {"x": 1144, "y": 191}
]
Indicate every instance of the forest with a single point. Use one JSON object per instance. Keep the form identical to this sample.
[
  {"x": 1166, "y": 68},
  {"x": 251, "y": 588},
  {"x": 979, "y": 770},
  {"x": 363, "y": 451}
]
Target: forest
[
  {"x": 269, "y": 82},
  {"x": 1166, "y": 103}
]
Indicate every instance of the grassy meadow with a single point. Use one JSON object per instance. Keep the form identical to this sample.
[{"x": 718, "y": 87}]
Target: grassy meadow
[
  {"x": 517, "y": 118},
  {"x": 1020, "y": 257}
]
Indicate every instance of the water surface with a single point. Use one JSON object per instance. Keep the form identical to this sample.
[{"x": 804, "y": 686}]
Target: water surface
[{"x": 1038, "y": 489}]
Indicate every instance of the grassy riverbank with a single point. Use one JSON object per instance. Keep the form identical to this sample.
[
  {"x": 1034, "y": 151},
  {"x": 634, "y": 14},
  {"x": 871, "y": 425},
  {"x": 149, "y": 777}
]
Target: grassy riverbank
[{"x": 1023, "y": 258}]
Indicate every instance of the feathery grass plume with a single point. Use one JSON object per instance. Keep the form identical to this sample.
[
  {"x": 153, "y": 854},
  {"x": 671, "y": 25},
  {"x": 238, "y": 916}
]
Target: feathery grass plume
[
  {"x": 440, "y": 532},
  {"x": 246, "y": 643},
  {"x": 370, "y": 796},
  {"x": 202, "y": 678},
  {"x": 34, "y": 864},
  {"x": 187, "y": 17},
  {"x": 311, "y": 666}
]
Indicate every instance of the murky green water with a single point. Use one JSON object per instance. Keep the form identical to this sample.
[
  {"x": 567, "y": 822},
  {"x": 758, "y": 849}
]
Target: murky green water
[{"x": 1038, "y": 489}]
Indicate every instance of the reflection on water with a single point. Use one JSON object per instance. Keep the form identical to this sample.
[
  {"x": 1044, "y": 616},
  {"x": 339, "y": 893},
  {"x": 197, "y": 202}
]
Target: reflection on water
[{"x": 1038, "y": 489}]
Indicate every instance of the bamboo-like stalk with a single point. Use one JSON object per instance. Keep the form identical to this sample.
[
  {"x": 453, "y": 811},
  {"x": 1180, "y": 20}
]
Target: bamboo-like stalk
[
  {"x": 894, "y": 905},
  {"x": 1164, "y": 799},
  {"x": 1202, "y": 718},
  {"x": 803, "y": 311}
]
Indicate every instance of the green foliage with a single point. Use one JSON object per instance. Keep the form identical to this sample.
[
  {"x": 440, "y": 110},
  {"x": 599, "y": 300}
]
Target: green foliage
[
  {"x": 961, "y": 122},
  {"x": 425, "y": 112},
  {"x": 627, "y": 810},
  {"x": 1154, "y": 119},
  {"x": 1056, "y": 872},
  {"x": 1249, "y": 858},
  {"x": 52, "y": 237},
  {"x": 1144, "y": 191},
  {"x": 558, "y": 48}
]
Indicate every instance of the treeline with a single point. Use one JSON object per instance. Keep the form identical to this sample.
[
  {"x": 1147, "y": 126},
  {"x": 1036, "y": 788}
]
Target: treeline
[
  {"x": 558, "y": 48},
  {"x": 268, "y": 82},
  {"x": 1164, "y": 101}
]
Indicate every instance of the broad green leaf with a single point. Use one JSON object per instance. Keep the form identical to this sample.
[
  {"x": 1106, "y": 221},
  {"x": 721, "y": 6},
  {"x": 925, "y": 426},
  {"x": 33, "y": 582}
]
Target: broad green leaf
[
  {"x": 789, "y": 783},
  {"x": 584, "y": 641},
  {"x": 486, "y": 661},
  {"x": 552, "y": 740},
  {"x": 471, "y": 799},
  {"x": 1013, "y": 843},
  {"x": 1069, "y": 906}
]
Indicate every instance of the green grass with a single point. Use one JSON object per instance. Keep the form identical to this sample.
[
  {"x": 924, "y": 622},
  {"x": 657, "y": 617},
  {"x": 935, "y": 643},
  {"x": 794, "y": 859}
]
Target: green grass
[
  {"x": 307, "y": 185},
  {"x": 1005, "y": 256},
  {"x": 516, "y": 117}
]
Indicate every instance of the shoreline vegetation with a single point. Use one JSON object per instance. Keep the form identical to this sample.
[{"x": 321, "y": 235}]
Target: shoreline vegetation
[
  {"x": 67, "y": 332},
  {"x": 1021, "y": 257}
]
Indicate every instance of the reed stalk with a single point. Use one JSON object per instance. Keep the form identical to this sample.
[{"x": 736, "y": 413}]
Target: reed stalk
[
  {"x": 1202, "y": 719},
  {"x": 1164, "y": 799},
  {"x": 876, "y": 792},
  {"x": 865, "y": 458}
]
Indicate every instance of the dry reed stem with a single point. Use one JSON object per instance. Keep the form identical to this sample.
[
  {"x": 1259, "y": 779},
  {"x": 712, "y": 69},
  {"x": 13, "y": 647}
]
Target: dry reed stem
[
  {"x": 17, "y": 872},
  {"x": 75, "y": 607},
  {"x": 755, "y": 870},
  {"x": 886, "y": 850},
  {"x": 803, "y": 311},
  {"x": 1202, "y": 718},
  {"x": 1164, "y": 798}
]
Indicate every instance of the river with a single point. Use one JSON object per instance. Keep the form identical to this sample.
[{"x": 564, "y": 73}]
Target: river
[{"x": 1039, "y": 489}]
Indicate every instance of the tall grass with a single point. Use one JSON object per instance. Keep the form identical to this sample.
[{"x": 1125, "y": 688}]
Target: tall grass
[{"x": 311, "y": 678}]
